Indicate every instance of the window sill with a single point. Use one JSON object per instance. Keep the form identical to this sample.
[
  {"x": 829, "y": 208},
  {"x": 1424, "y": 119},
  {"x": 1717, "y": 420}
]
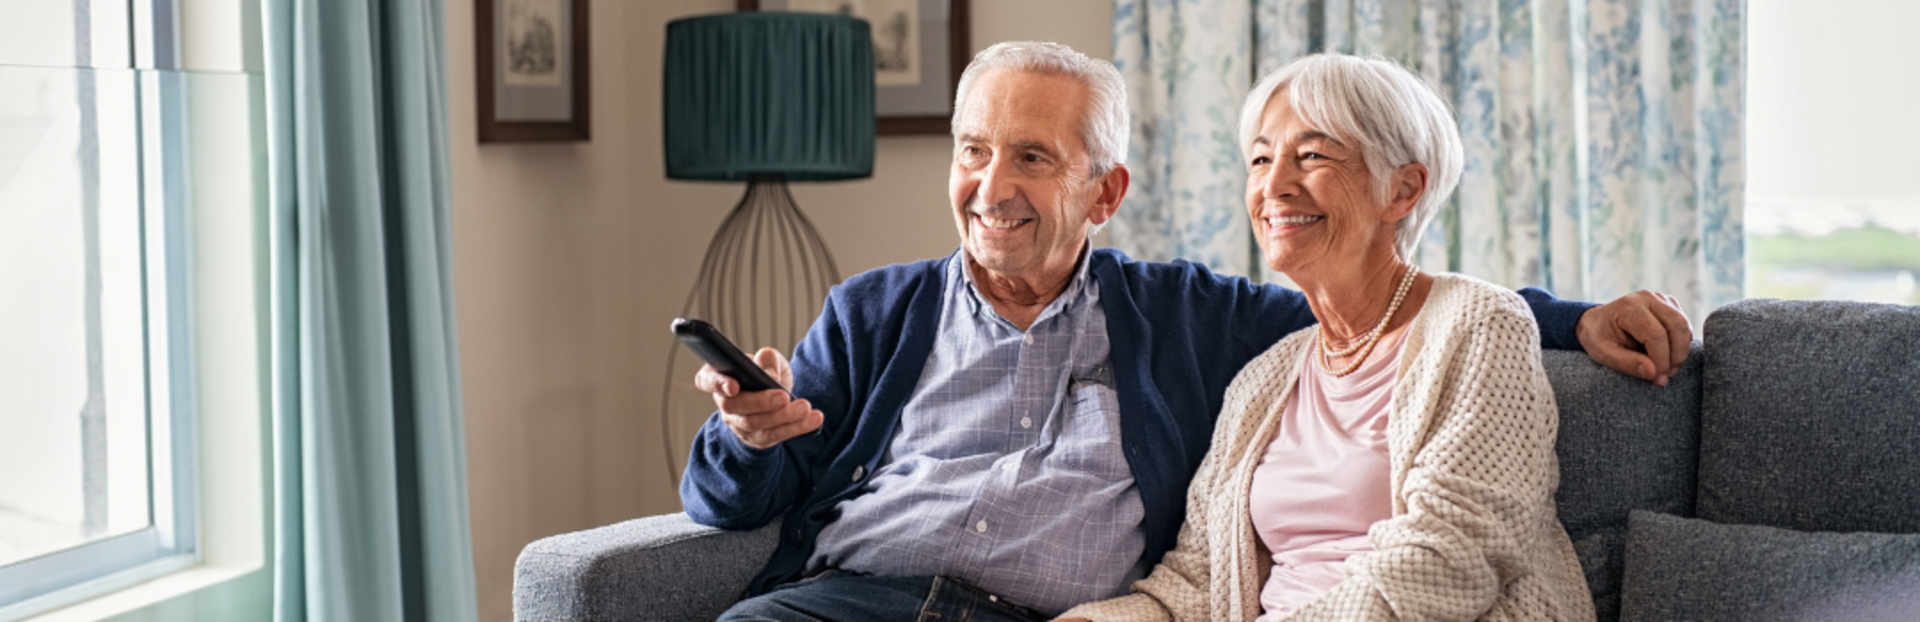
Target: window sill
[{"x": 207, "y": 591}]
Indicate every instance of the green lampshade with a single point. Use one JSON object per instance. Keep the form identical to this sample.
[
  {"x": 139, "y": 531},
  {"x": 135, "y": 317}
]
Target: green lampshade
[{"x": 769, "y": 93}]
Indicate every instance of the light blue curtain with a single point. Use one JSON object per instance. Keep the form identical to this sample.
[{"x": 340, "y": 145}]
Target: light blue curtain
[
  {"x": 1603, "y": 137},
  {"x": 370, "y": 507}
]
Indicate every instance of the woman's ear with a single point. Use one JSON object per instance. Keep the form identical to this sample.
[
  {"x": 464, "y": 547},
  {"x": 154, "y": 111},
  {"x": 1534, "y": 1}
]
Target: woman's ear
[{"x": 1407, "y": 185}]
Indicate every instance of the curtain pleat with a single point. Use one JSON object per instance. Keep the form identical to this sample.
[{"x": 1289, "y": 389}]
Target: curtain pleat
[
  {"x": 370, "y": 511},
  {"x": 1602, "y": 136}
]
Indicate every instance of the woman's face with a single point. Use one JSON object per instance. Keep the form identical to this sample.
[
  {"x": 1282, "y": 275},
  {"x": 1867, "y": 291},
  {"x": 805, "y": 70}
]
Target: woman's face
[{"x": 1311, "y": 198}]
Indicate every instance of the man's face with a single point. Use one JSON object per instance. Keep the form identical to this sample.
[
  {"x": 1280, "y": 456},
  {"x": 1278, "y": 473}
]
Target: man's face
[{"x": 1022, "y": 195}]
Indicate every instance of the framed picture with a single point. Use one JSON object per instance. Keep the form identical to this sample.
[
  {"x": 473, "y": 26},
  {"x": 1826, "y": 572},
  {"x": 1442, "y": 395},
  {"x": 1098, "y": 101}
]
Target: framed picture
[
  {"x": 532, "y": 59},
  {"x": 919, "y": 49}
]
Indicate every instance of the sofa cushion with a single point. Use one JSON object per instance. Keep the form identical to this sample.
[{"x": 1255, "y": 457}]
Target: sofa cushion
[
  {"x": 1690, "y": 569},
  {"x": 1624, "y": 444},
  {"x": 1810, "y": 418}
]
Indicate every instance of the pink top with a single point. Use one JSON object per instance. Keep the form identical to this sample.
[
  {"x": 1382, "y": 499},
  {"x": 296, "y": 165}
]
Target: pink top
[{"x": 1323, "y": 481}]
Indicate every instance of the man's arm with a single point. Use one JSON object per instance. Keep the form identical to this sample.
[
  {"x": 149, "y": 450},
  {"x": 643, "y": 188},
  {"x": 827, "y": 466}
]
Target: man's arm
[
  {"x": 1643, "y": 334},
  {"x": 1558, "y": 319},
  {"x": 754, "y": 457},
  {"x": 739, "y": 476}
]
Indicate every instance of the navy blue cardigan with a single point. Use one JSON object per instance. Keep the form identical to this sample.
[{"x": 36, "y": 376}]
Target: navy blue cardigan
[{"x": 1179, "y": 335}]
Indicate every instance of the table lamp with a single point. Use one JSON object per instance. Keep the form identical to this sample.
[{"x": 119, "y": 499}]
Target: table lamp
[{"x": 764, "y": 98}]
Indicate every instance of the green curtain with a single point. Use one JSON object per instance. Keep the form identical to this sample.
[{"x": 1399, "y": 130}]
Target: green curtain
[{"x": 370, "y": 499}]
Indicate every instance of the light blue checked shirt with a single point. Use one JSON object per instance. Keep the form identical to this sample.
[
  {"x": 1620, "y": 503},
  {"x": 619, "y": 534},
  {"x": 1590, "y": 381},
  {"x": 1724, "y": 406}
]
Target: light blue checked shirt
[{"x": 1006, "y": 471}]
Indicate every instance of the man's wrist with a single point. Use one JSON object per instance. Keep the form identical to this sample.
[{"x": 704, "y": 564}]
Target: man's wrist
[
  {"x": 1559, "y": 319},
  {"x": 740, "y": 451}
]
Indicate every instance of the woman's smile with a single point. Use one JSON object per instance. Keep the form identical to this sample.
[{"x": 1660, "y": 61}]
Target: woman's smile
[{"x": 1281, "y": 224}]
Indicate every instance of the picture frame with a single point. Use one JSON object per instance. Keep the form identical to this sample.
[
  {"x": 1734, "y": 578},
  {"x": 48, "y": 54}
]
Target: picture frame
[
  {"x": 920, "y": 49},
  {"x": 533, "y": 64}
]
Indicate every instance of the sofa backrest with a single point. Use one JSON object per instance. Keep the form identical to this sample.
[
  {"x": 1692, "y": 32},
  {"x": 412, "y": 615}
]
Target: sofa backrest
[
  {"x": 1810, "y": 418},
  {"x": 1624, "y": 445},
  {"x": 1801, "y": 415}
]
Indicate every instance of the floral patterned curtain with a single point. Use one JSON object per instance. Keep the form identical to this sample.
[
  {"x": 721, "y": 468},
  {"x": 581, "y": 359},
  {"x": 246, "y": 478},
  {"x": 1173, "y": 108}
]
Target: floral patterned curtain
[{"x": 1603, "y": 137}]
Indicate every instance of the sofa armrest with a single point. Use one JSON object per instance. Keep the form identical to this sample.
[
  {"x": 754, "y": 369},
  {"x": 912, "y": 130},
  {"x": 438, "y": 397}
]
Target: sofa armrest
[{"x": 657, "y": 568}]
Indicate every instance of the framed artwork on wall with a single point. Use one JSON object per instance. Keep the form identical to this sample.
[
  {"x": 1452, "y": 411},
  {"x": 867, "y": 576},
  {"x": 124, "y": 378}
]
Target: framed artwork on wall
[
  {"x": 532, "y": 59},
  {"x": 919, "y": 49}
]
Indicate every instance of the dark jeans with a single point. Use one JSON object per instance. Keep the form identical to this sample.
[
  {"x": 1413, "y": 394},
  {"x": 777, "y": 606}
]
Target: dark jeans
[{"x": 844, "y": 597}]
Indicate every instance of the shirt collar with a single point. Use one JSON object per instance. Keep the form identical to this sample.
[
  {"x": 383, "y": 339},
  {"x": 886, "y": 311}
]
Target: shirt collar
[{"x": 977, "y": 304}]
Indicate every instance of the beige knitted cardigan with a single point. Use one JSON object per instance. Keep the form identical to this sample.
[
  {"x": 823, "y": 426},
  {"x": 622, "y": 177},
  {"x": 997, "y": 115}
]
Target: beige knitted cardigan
[{"x": 1470, "y": 443}]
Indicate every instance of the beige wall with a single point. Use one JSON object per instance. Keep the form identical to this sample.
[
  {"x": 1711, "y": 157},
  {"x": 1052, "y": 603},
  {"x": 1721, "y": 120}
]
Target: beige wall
[{"x": 571, "y": 259}]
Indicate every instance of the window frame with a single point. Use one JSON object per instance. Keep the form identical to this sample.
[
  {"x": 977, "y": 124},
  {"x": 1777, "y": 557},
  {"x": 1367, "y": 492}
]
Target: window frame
[{"x": 171, "y": 541}]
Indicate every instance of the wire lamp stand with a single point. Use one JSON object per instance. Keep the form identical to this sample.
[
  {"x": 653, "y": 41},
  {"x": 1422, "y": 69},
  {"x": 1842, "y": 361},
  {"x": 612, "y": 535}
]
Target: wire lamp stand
[
  {"x": 763, "y": 281},
  {"x": 766, "y": 98}
]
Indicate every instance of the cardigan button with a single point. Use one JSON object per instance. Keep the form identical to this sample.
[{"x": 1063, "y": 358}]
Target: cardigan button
[{"x": 859, "y": 472}]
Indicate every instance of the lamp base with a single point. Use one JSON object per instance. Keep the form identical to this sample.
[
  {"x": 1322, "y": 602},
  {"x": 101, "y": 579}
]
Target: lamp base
[{"x": 764, "y": 279}]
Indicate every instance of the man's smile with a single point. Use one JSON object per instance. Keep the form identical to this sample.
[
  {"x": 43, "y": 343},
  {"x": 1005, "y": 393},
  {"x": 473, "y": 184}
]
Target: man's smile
[{"x": 999, "y": 223}]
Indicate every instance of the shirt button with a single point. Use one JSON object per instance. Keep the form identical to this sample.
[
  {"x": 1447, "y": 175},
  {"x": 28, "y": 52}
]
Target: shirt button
[
  {"x": 980, "y": 526},
  {"x": 859, "y": 471},
  {"x": 1029, "y": 339},
  {"x": 1026, "y": 422}
]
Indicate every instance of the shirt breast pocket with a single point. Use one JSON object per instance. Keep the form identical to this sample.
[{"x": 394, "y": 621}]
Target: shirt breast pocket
[{"x": 1089, "y": 438}]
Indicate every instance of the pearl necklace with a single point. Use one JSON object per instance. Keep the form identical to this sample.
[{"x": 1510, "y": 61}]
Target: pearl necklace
[{"x": 1365, "y": 346}]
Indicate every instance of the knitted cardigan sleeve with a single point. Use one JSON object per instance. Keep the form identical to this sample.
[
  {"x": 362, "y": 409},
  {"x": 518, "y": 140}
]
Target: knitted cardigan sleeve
[{"x": 1478, "y": 483}]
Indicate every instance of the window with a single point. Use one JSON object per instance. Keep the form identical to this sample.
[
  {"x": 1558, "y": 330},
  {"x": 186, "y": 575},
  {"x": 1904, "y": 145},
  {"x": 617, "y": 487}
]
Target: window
[
  {"x": 96, "y": 452},
  {"x": 1831, "y": 212}
]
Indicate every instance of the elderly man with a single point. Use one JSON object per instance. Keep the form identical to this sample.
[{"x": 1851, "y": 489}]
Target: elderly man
[{"x": 1009, "y": 431}]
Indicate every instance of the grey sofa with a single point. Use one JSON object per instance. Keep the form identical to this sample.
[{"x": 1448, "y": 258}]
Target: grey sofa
[{"x": 1704, "y": 499}]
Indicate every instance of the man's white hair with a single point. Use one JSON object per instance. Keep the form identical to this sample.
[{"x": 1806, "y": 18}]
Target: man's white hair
[
  {"x": 1103, "y": 126},
  {"x": 1378, "y": 107}
]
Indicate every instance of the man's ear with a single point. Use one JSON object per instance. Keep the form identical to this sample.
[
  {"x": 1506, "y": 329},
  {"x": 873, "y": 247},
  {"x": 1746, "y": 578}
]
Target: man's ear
[
  {"x": 1406, "y": 186},
  {"x": 1113, "y": 186}
]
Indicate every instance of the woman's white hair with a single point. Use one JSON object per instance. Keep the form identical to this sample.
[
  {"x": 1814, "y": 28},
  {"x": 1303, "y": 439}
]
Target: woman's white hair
[
  {"x": 1378, "y": 107},
  {"x": 1103, "y": 126}
]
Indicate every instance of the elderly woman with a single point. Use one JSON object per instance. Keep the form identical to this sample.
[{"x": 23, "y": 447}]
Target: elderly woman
[{"x": 1395, "y": 461}]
